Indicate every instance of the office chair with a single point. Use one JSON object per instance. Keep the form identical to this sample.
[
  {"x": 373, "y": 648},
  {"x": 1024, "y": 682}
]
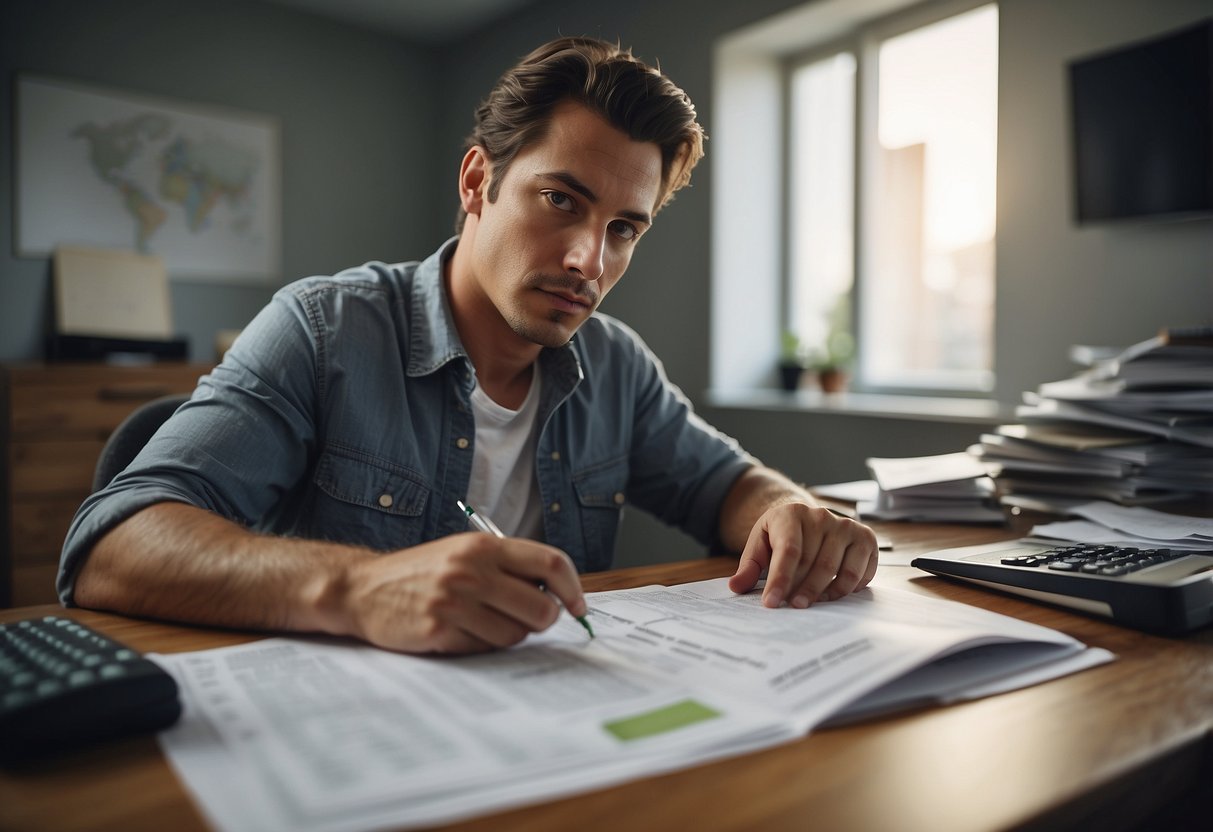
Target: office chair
[{"x": 129, "y": 437}]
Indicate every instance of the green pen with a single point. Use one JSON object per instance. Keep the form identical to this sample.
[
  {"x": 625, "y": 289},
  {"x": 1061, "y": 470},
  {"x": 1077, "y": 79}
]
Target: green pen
[{"x": 484, "y": 524}]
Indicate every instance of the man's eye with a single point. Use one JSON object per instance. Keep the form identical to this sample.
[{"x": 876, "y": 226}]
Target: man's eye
[
  {"x": 562, "y": 201},
  {"x": 624, "y": 230}
]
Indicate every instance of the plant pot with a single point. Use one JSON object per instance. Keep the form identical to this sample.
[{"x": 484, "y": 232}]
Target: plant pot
[
  {"x": 790, "y": 376},
  {"x": 832, "y": 380}
]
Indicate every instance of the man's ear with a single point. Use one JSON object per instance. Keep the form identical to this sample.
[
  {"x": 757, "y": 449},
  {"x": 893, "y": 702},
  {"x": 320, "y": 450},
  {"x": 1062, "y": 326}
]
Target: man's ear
[{"x": 473, "y": 180}]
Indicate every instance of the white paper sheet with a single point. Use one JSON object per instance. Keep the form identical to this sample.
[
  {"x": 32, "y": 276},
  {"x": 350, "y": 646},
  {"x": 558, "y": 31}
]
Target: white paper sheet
[
  {"x": 1147, "y": 522},
  {"x": 317, "y": 735},
  {"x": 1130, "y": 525}
]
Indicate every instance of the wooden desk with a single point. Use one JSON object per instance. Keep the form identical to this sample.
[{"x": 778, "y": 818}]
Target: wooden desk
[{"x": 1127, "y": 745}]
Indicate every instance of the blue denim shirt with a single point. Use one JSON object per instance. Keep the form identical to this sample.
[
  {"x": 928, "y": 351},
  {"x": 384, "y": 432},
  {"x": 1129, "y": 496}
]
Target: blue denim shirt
[{"x": 342, "y": 413}]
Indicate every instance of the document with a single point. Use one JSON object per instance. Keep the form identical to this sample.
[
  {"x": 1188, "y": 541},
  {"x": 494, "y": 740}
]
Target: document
[
  {"x": 1196, "y": 431},
  {"x": 944, "y": 488},
  {"x": 1105, "y": 522},
  {"x": 928, "y": 473},
  {"x": 319, "y": 734}
]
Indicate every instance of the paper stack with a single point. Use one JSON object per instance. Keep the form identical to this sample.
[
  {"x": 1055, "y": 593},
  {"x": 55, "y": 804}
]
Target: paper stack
[
  {"x": 1103, "y": 522},
  {"x": 946, "y": 488},
  {"x": 1134, "y": 427}
]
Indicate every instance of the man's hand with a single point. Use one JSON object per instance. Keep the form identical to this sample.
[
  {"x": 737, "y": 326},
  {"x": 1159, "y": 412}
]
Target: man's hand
[
  {"x": 809, "y": 554},
  {"x": 460, "y": 594}
]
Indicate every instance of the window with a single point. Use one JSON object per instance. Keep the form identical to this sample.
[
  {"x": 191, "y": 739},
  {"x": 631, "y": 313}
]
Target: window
[
  {"x": 821, "y": 222},
  {"x": 917, "y": 291}
]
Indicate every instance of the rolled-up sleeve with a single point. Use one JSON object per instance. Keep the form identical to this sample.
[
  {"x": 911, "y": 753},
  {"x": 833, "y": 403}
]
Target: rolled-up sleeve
[
  {"x": 681, "y": 467},
  {"x": 242, "y": 441}
]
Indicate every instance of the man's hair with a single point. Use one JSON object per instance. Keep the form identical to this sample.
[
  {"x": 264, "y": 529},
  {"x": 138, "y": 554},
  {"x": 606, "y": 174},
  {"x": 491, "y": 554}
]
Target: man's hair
[{"x": 634, "y": 98}]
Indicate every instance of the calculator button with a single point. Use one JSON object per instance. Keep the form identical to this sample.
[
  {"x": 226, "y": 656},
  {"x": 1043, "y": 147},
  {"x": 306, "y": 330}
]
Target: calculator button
[
  {"x": 80, "y": 677},
  {"x": 14, "y": 698},
  {"x": 112, "y": 671},
  {"x": 48, "y": 686}
]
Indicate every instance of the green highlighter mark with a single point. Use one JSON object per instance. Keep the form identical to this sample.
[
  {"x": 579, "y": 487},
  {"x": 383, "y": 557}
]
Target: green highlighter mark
[{"x": 669, "y": 718}]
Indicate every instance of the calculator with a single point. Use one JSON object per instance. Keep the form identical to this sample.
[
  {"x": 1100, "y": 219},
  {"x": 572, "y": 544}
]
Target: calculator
[
  {"x": 1155, "y": 589},
  {"x": 64, "y": 685}
]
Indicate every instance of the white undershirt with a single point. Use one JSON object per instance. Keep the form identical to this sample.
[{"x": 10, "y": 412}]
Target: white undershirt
[{"x": 503, "y": 463}]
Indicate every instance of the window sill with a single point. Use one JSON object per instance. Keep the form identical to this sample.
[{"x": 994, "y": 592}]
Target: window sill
[{"x": 879, "y": 405}]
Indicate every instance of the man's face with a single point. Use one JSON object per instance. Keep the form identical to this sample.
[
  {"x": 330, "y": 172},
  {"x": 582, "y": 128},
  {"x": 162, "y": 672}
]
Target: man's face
[{"x": 561, "y": 232}]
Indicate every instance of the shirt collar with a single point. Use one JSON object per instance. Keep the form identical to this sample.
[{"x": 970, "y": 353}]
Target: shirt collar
[{"x": 434, "y": 341}]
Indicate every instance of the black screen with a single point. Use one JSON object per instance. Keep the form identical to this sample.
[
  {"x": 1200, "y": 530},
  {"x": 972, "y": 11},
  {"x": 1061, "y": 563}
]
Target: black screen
[{"x": 1143, "y": 128}]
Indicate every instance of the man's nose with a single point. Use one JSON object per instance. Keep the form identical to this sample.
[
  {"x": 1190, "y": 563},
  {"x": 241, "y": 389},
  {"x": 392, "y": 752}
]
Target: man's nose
[{"x": 585, "y": 254}]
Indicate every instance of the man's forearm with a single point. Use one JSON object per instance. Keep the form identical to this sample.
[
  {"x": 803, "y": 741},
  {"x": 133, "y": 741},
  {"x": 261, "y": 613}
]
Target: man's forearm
[
  {"x": 179, "y": 562},
  {"x": 758, "y": 489}
]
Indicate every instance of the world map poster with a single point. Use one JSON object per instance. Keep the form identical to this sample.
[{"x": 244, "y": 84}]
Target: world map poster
[{"x": 197, "y": 186}]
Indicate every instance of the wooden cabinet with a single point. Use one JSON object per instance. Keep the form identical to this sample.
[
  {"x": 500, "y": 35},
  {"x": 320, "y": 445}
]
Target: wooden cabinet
[{"x": 54, "y": 420}]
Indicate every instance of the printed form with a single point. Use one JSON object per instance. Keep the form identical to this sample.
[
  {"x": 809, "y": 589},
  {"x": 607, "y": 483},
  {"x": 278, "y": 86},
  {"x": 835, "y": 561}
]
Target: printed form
[{"x": 318, "y": 734}]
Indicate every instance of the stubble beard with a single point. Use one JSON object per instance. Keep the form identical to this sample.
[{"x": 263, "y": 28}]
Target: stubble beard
[{"x": 554, "y": 330}]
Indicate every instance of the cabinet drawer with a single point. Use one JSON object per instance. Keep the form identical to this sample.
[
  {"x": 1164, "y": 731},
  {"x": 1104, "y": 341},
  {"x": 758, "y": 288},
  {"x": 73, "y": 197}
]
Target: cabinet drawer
[
  {"x": 39, "y": 527},
  {"x": 45, "y": 410},
  {"x": 60, "y": 467},
  {"x": 54, "y": 421},
  {"x": 34, "y": 585}
]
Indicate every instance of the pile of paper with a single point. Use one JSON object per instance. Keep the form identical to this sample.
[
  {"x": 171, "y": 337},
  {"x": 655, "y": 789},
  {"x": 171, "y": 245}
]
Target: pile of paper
[
  {"x": 946, "y": 488},
  {"x": 322, "y": 735},
  {"x": 1103, "y": 522},
  {"x": 1134, "y": 427}
]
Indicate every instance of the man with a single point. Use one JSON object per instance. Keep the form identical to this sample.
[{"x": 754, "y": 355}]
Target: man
[{"x": 311, "y": 482}]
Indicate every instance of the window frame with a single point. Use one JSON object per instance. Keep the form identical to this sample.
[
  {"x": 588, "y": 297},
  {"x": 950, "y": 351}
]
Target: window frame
[
  {"x": 818, "y": 52},
  {"x": 863, "y": 41}
]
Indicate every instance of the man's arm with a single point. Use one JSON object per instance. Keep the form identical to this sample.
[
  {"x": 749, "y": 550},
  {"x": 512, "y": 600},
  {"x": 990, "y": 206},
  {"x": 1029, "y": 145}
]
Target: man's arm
[
  {"x": 464, "y": 593},
  {"x": 809, "y": 553}
]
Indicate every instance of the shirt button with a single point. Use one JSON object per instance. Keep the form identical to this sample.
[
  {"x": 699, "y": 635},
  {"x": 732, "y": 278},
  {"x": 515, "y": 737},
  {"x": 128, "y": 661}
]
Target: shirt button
[
  {"x": 554, "y": 508},
  {"x": 461, "y": 443},
  {"x": 619, "y": 498},
  {"x": 385, "y": 500},
  {"x": 555, "y": 456}
]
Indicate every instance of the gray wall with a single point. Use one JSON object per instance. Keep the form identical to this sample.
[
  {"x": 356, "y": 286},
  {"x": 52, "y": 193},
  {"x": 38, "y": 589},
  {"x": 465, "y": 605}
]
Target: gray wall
[
  {"x": 1059, "y": 284},
  {"x": 355, "y": 109},
  {"x": 372, "y": 131}
]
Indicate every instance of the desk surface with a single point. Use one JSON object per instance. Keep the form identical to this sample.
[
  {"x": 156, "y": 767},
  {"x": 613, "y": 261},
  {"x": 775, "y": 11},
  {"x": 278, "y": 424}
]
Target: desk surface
[{"x": 1111, "y": 745}]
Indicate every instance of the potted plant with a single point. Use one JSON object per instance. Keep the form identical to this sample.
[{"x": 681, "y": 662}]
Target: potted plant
[
  {"x": 792, "y": 361},
  {"x": 832, "y": 364}
]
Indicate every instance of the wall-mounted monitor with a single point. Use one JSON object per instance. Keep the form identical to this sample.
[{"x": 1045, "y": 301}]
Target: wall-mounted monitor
[{"x": 1142, "y": 128}]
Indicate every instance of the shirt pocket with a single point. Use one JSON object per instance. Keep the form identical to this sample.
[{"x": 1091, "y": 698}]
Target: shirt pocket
[
  {"x": 369, "y": 501},
  {"x": 600, "y": 499}
]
